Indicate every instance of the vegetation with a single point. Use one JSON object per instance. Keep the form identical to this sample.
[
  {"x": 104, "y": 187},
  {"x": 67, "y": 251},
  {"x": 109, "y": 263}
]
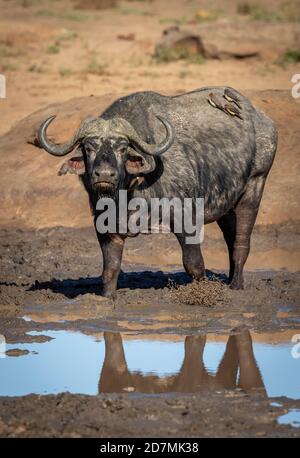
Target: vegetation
[
  {"x": 69, "y": 16},
  {"x": 177, "y": 21},
  {"x": 63, "y": 71},
  {"x": 8, "y": 51},
  {"x": 96, "y": 67},
  {"x": 164, "y": 55},
  {"x": 134, "y": 11},
  {"x": 35, "y": 68},
  {"x": 290, "y": 56},
  {"x": 53, "y": 49},
  {"x": 206, "y": 15},
  {"x": 289, "y": 12},
  {"x": 67, "y": 35}
]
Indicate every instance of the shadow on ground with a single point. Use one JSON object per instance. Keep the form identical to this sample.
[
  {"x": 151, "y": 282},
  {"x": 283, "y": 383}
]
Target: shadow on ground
[{"x": 71, "y": 288}]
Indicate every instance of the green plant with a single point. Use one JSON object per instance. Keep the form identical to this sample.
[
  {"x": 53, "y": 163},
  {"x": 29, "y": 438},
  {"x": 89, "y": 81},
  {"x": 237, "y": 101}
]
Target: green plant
[
  {"x": 290, "y": 56},
  {"x": 164, "y": 54},
  {"x": 197, "y": 59},
  {"x": 69, "y": 16},
  {"x": 53, "y": 49},
  {"x": 9, "y": 51},
  {"x": 45, "y": 13},
  {"x": 288, "y": 11},
  {"x": 75, "y": 16},
  {"x": 258, "y": 13},
  {"x": 27, "y": 3},
  {"x": 35, "y": 68},
  {"x": 67, "y": 35},
  {"x": 177, "y": 21},
  {"x": 206, "y": 15},
  {"x": 63, "y": 71},
  {"x": 96, "y": 67}
]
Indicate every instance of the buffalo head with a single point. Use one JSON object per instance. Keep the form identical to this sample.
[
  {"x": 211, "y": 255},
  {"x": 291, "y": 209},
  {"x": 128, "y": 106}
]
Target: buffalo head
[{"x": 112, "y": 152}]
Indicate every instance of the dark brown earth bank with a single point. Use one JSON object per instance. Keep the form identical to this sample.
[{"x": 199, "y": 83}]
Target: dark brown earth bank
[{"x": 222, "y": 414}]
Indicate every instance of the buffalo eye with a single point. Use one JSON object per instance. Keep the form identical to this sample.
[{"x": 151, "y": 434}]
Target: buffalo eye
[
  {"x": 122, "y": 149},
  {"x": 88, "y": 149}
]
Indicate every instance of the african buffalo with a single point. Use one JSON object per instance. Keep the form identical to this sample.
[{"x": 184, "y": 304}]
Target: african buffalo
[{"x": 211, "y": 143}]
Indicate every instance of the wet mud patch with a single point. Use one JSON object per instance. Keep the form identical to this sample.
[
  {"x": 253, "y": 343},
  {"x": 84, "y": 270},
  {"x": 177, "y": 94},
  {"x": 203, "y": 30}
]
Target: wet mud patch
[
  {"x": 131, "y": 385},
  {"x": 177, "y": 367}
]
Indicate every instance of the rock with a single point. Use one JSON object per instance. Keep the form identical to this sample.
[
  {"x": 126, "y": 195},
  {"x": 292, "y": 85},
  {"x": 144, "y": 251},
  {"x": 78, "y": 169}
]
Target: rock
[
  {"x": 181, "y": 44},
  {"x": 16, "y": 352},
  {"x": 177, "y": 44},
  {"x": 236, "y": 51}
]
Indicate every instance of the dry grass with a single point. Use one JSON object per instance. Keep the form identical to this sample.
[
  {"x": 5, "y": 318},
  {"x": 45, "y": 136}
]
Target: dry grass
[
  {"x": 287, "y": 12},
  {"x": 206, "y": 292}
]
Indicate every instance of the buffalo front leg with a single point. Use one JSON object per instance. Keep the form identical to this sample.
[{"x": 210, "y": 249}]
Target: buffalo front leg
[
  {"x": 112, "y": 250},
  {"x": 228, "y": 367},
  {"x": 191, "y": 258},
  {"x": 192, "y": 374},
  {"x": 245, "y": 212},
  {"x": 114, "y": 375}
]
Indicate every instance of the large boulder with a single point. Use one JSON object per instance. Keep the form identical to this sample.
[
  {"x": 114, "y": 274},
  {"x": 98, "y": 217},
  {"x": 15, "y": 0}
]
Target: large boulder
[{"x": 33, "y": 196}]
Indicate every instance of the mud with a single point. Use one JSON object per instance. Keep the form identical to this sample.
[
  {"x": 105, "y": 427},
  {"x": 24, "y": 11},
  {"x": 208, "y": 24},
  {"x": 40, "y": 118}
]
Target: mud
[
  {"x": 50, "y": 283},
  {"x": 214, "y": 408}
]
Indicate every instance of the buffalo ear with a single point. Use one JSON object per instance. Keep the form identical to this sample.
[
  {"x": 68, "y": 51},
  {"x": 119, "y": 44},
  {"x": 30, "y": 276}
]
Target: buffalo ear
[
  {"x": 137, "y": 163},
  {"x": 73, "y": 165}
]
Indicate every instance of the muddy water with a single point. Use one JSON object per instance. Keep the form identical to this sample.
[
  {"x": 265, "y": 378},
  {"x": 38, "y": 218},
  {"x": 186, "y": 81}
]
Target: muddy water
[
  {"x": 78, "y": 363},
  {"x": 291, "y": 418}
]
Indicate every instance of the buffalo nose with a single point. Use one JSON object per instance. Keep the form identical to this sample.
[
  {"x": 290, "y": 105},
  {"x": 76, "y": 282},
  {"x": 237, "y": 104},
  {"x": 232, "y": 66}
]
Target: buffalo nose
[{"x": 105, "y": 174}]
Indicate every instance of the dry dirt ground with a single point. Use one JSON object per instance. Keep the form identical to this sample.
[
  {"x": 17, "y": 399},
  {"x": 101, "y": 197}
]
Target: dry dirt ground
[
  {"x": 51, "y": 51},
  {"x": 59, "y": 53}
]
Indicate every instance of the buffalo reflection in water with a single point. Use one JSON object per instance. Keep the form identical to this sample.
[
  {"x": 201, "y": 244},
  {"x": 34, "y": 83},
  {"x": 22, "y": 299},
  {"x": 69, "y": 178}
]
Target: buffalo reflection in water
[{"x": 237, "y": 369}]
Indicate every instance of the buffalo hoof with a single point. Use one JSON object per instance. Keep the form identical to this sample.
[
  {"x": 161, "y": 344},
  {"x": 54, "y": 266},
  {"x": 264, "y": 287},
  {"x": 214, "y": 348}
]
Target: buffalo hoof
[
  {"x": 109, "y": 294},
  {"x": 236, "y": 284}
]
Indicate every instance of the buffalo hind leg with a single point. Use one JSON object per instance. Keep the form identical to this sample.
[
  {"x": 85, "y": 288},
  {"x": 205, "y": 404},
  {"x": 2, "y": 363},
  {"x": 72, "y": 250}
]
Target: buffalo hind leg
[
  {"x": 227, "y": 224},
  {"x": 245, "y": 212},
  {"x": 191, "y": 258},
  {"x": 249, "y": 376},
  {"x": 112, "y": 250}
]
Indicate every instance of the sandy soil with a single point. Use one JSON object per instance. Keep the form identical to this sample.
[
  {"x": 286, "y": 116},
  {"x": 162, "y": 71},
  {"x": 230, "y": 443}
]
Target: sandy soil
[
  {"x": 51, "y": 52},
  {"x": 50, "y": 263}
]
